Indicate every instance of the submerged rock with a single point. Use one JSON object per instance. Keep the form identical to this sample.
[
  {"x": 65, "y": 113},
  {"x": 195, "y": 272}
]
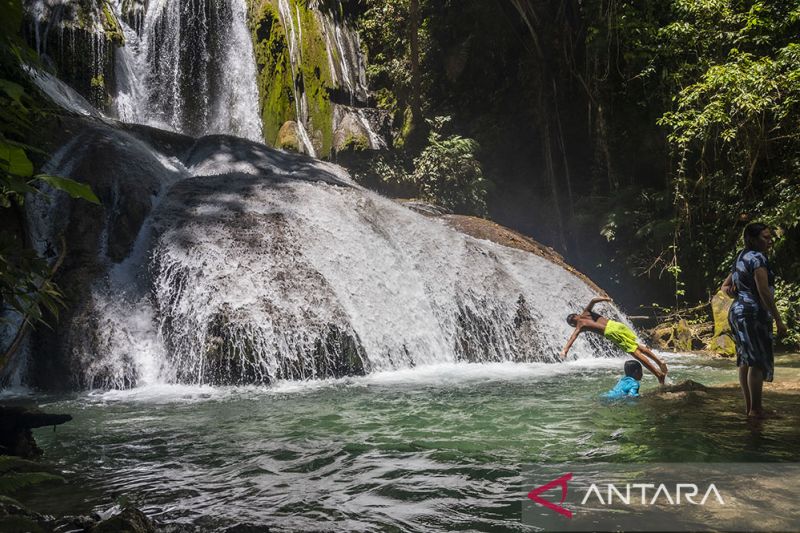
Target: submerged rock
[
  {"x": 130, "y": 520},
  {"x": 685, "y": 390}
]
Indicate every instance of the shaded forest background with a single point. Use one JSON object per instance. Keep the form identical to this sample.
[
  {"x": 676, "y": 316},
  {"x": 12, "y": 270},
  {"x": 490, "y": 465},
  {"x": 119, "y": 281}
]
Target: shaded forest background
[{"x": 637, "y": 138}]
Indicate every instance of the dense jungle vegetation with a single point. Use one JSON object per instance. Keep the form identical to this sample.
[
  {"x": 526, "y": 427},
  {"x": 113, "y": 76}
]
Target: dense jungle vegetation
[{"x": 637, "y": 138}]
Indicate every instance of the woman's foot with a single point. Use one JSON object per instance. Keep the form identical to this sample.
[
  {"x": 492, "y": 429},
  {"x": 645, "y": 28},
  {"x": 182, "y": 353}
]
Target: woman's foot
[{"x": 761, "y": 414}]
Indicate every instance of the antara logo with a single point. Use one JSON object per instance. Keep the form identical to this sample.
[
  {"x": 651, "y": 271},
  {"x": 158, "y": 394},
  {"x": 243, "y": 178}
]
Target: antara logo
[
  {"x": 560, "y": 482},
  {"x": 660, "y": 494},
  {"x": 647, "y": 493}
]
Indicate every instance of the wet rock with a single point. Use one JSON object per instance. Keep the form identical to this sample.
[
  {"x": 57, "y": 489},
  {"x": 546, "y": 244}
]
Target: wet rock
[
  {"x": 351, "y": 134},
  {"x": 75, "y": 523},
  {"x": 684, "y": 386},
  {"x": 15, "y": 517},
  {"x": 246, "y": 528},
  {"x": 16, "y": 423},
  {"x": 130, "y": 520},
  {"x": 685, "y": 390}
]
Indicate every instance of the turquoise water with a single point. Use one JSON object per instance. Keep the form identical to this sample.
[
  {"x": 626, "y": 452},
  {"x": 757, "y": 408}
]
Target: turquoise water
[{"x": 432, "y": 448}]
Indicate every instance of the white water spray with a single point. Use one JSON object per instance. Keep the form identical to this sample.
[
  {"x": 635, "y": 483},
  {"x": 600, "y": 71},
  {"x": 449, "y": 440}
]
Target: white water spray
[{"x": 190, "y": 70}]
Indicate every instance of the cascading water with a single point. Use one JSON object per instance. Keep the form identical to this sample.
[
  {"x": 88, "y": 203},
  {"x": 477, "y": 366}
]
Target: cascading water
[
  {"x": 191, "y": 69},
  {"x": 257, "y": 265},
  {"x": 346, "y": 64}
]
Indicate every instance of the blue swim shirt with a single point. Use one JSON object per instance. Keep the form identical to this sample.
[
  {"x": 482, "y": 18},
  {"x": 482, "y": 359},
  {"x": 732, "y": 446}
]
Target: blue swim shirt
[{"x": 626, "y": 387}]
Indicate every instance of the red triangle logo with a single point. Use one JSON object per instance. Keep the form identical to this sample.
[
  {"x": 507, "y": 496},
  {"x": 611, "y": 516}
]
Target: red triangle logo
[{"x": 560, "y": 482}]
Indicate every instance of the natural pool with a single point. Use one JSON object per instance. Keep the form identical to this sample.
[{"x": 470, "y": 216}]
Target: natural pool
[{"x": 432, "y": 448}]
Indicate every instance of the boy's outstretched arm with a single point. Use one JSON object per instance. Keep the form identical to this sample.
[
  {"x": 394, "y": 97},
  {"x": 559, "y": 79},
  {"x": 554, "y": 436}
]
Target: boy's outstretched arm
[
  {"x": 596, "y": 301},
  {"x": 570, "y": 341}
]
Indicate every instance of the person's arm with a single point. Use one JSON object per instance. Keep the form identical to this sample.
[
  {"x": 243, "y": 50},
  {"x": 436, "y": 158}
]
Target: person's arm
[
  {"x": 762, "y": 284},
  {"x": 728, "y": 286},
  {"x": 634, "y": 390},
  {"x": 595, "y": 301},
  {"x": 570, "y": 341}
]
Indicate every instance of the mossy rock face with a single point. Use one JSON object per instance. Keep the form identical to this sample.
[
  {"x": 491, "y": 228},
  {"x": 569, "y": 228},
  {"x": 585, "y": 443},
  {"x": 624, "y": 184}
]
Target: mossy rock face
[
  {"x": 113, "y": 30},
  {"x": 275, "y": 81},
  {"x": 287, "y": 137},
  {"x": 278, "y": 83},
  {"x": 316, "y": 80},
  {"x": 80, "y": 46}
]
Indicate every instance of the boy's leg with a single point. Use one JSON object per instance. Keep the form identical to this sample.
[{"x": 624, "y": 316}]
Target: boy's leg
[
  {"x": 649, "y": 365},
  {"x": 649, "y": 353},
  {"x": 745, "y": 388}
]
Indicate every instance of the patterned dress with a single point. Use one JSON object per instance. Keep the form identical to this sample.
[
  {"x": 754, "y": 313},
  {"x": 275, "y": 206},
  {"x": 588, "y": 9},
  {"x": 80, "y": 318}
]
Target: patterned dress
[{"x": 751, "y": 324}]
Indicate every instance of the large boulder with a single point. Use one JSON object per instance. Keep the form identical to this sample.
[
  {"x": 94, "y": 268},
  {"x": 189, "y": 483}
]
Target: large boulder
[
  {"x": 288, "y": 138},
  {"x": 722, "y": 341},
  {"x": 351, "y": 134}
]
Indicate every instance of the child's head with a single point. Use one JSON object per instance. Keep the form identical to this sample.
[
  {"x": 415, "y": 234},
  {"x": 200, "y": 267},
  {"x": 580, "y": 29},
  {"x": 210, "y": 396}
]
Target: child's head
[
  {"x": 572, "y": 319},
  {"x": 633, "y": 369}
]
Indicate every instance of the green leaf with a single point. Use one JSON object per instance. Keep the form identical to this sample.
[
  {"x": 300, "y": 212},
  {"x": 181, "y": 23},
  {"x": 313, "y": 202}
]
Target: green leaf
[
  {"x": 71, "y": 187},
  {"x": 14, "y": 161}
]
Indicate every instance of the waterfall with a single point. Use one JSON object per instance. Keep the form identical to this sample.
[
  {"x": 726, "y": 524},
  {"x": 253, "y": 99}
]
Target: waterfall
[
  {"x": 190, "y": 69},
  {"x": 61, "y": 93},
  {"x": 256, "y": 265}
]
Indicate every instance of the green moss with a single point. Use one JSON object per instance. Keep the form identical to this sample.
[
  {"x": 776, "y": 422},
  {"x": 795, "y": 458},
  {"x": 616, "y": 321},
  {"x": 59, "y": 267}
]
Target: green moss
[
  {"x": 111, "y": 26},
  {"x": 316, "y": 80},
  {"x": 275, "y": 82},
  {"x": 98, "y": 82},
  {"x": 355, "y": 143},
  {"x": 274, "y": 69}
]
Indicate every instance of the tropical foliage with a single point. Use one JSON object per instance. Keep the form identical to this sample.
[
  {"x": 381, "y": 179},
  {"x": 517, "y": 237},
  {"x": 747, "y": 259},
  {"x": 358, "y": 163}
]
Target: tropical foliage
[
  {"x": 26, "y": 284},
  {"x": 636, "y": 137}
]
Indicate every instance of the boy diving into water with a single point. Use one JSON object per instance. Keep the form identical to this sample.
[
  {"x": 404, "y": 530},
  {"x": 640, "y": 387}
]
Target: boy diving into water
[{"x": 618, "y": 333}]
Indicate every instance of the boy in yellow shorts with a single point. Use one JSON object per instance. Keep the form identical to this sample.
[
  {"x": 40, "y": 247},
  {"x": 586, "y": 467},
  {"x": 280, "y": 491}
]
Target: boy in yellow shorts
[{"x": 618, "y": 333}]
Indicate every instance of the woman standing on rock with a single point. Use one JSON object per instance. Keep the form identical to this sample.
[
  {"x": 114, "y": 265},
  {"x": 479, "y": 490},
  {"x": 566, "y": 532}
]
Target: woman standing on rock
[{"x": 751, "y": 282}]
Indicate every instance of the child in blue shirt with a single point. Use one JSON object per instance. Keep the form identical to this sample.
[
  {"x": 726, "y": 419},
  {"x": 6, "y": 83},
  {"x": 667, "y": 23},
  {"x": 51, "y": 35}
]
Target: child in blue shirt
[{"x": 627, "y": 386}]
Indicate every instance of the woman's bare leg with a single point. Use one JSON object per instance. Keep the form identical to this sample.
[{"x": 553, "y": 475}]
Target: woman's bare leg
[
  {"x": 642, "y": 358},
  {"x": 755, "y": 382},
  {"x": 649, "y": 353},
  {"x": 745, "y": 387}
]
